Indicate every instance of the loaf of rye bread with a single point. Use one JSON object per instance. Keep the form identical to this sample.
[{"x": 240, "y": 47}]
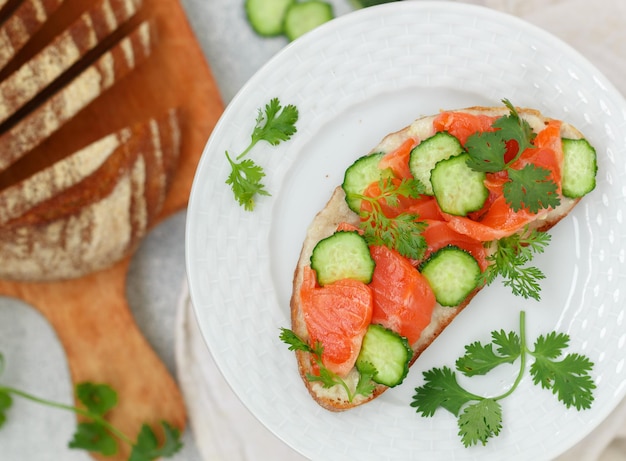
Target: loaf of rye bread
[
  {"x": 67, "y": 215},
  {"x": 336, "y": 211}
]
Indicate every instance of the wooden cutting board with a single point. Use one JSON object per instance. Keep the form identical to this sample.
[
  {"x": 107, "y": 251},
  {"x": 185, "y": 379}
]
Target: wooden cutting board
[{"x": 91, "y": 315}]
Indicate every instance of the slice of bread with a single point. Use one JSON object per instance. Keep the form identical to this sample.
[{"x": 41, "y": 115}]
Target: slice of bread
[
  {"x": 336, "y": 211},
  {"x": 83, "y": 35},
  {"x": 37, "y": 126},
  {"x": 23, "y": 23},
  {"x": 90, "y": 209}
]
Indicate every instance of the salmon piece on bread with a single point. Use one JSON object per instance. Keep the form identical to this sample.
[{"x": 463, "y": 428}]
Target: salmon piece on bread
[{"x": 473, "y": 232}]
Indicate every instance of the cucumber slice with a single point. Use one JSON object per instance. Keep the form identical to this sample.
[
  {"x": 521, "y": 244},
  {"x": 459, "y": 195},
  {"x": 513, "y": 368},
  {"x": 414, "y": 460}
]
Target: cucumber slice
[
  {"x": 368, "y": 3},
  {"x": 458, "y": 189},
  {"x": 304, "y": 16},
  {"x": 452, "y": 274},
  {"x": 343, "y": 255},
  {"x": 363, "y": 172},
  {"x": 427, "y": 153},
  {"x": 388, "y": 352},
  {"x": 579, "y": 167},
  {"x": 267, "y": 17}
]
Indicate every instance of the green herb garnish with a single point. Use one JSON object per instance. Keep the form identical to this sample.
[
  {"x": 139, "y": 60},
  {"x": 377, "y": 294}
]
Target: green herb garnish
[
  {"x": 327, "y": 378},
  {"x": 480, "y": 418},
  {"x": 402, "y": 233},
  {"x": 528, "y": 188},
  {"x": 96, "y": 434},
  {"x": 275, "y": 125},
  {"x": 510, "y": 259}
]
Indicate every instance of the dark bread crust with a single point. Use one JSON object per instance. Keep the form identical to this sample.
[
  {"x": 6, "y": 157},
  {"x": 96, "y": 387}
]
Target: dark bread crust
[{"x": 337, "y": 211}]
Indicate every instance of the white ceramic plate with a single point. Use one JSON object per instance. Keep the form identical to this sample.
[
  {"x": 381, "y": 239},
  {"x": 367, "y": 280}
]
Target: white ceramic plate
[{"x": 354, "y": 80}]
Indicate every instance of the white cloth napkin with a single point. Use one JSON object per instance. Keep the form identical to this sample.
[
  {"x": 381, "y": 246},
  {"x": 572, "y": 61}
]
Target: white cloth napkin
[{"x": 225, "y": 430}]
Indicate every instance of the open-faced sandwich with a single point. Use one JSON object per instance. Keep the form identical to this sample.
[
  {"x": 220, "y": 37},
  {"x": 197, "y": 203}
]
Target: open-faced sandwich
[{"x": 433, "y": 214}]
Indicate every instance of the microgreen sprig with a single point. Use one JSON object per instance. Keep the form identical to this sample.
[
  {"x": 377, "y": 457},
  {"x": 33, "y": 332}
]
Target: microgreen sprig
[
  {"x": 403, "y": 232},
  {"x": 510, "y": 258}
]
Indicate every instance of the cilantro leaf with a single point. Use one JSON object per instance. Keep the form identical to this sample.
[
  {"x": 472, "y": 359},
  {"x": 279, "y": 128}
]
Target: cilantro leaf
[
  {"x": 513, "y": 127},
  {"x": 275, "y": 125},
  {"x": 569, "y": 378},
  {"x": 94, "y": 437},
  {"x": 528, "y": 188},
  {"x": 402, "y": 233},
  {"x": 479, "y": 359},
  {"x": 147, "y": 447},
  {"x": 480, "y": 421},
  {"x": 326, "y": 377},
  {"x": 487, "y": 152},
  {"x": 366, "y": 385},
  {"x": 440, "y": 389},
  {"x": 245, "y": 181},
  {"x": 531, "y": 188},
  {"x": 97, "y": 398},
  {"x": 552, "y": 345},
  {"x": 294, "y": 341}
]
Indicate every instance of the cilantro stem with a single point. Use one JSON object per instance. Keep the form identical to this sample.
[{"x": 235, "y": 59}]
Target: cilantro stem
[
  {"x": 523, "y": 352},
  {"x": 246, "y": 150},
  {"x": 80, "y": 411}
]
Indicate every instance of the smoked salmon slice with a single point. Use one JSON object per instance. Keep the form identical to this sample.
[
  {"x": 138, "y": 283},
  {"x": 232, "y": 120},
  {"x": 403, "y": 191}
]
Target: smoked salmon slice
[
  {"x": 398, "y": 159},
  {"x": 403, "y": 299},
  {"x": 463, "y": 125},
  {"x": 337, "y": 315}
]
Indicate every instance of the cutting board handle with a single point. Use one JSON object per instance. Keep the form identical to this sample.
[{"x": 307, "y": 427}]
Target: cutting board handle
[{"x": 103, "y": 344}]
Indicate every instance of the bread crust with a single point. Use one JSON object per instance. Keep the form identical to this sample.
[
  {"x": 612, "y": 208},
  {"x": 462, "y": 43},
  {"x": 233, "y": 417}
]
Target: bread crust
[{"x": 337, "y": 211}]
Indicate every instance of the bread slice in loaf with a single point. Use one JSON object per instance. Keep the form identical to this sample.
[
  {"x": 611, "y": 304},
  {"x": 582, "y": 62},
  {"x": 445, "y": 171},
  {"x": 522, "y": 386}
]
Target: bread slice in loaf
[
  {"x": 336, "y": 211},
  {"x": 23, "y": 23},
  {"x": 91, "y": 208},
  {"x": 64, "y": 51},
  {"x": 33, "y": 129}
]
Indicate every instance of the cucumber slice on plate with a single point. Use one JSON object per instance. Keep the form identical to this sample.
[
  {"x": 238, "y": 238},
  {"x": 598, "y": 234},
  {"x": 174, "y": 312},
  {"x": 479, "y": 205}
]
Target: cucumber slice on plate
[
  {"x": 358, "y": 177},
  {"x": 343, "y": 255},
  {"x": 267, "y": 17},
  {"x": 458, "y": 189},
  {"x": 579, "y": 167},
  {"x": 452, "y": 274},
  {"x": 388, "y": 352},
  {"x": 427, "y": 153},
  {"x": 301, "y": 17}
]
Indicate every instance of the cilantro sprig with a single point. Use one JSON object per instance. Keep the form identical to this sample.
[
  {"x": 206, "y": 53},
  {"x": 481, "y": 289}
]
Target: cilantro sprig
[
  {"x": 403, "y": 232},
  {"x": 528, "y": 188},
  {"x": 480, "y": 418},
  {"x": 327, "y": 378},
  {"x": 96, "y": 434},
  {"x": 510, "y": 258},
  {"x": 274, "y": 125}
]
